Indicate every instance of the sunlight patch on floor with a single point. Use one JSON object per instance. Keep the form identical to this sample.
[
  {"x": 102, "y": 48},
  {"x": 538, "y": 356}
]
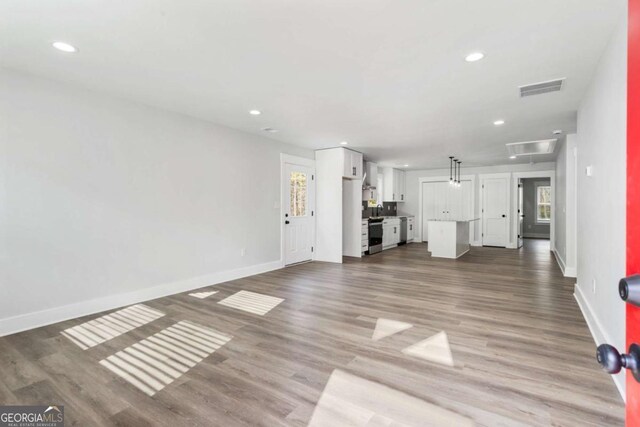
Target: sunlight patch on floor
[
  {"x": 203, "y": 295},
  {"x": 104, "y": 328},
  {"x": 434, "y": 349},
  {"x": 157, "y": 361},
  {"x": 251, "y": 302},
  {"x": 387, "y": 327},
  {"x": 354, "y": 401}
]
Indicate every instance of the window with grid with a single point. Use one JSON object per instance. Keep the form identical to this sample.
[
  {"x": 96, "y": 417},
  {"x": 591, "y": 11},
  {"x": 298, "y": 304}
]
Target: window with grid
[
  {"x": 543, "y": 204},
  {"x": 298, "y": 192}
]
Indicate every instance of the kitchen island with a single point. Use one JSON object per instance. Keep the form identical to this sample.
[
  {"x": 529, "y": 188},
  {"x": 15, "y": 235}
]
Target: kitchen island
[{"x": 448, "y": 238}]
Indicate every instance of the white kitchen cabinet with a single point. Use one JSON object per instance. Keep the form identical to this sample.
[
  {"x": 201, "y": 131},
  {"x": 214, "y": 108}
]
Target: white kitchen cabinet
[
  {"x": 364, "y": 232},
  {"x": 369, "y": 194},
  {"x": 390, "y": 233},
  {"x": 411, "y": 224},
  {"x": 394, "y": 185},
  {"x": 352, "y": 164}
]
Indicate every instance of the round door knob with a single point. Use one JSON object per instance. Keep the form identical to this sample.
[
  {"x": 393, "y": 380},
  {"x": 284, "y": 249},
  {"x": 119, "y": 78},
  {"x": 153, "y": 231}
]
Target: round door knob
[
  {"x": 609, "y": 358},
  {"x": 612, "y": 361},
  {"x": 629, "y": 289},
  {"x": 286, "y": 222}
]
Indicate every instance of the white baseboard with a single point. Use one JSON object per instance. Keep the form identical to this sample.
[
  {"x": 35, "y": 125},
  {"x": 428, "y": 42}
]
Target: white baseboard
[
  {"x": 23, "y": 322},
  {"x": 559, "y": 260},
  {"x": 598, "y": 333},
  {"x": 566, "y": 271},
  {"x": 536, "y": 235}
]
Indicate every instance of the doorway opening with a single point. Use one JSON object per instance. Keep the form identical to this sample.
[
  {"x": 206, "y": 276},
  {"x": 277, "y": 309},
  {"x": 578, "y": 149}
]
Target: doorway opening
[{"x": 534, "y": 209}]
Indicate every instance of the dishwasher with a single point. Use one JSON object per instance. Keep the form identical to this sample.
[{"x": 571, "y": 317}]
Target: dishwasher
[{"x": 403, "y": 230}]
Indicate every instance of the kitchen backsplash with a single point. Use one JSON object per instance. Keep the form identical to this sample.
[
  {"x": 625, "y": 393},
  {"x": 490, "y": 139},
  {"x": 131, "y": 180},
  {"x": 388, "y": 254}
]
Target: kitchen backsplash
[{"x": 388, "y": 209}]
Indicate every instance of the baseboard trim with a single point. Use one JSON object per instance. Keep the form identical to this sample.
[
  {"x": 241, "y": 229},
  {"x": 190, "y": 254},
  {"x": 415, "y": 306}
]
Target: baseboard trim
[
  {"x": 571, "y": 272},
  {"x": 560, "y": 261},
  {"x": 12, "y": 325},
  {"x": 597, "y": 333},
  {"x": 566, "y": 271},
  {"x": 536, "y": 235}
]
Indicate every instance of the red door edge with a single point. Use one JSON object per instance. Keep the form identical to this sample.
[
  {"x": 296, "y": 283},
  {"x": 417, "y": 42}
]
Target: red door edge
[{"x": 633, "y": 198}]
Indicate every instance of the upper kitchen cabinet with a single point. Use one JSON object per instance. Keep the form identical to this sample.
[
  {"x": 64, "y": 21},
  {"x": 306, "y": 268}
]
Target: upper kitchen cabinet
[
  {"x": 352, "y": 161},
  {"x": 394, "y": 185}
]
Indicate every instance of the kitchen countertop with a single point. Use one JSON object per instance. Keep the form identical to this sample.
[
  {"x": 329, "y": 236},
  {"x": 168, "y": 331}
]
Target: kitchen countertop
[
  {"x": 390, "y": 217},
  {"x": 455, "y": 220}
]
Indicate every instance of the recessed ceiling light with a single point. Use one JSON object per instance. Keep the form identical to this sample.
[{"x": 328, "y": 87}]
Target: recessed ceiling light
[
  {"x": 344, "y": 143},
  {"x": 270, "y": 130},
  {"x": 513, "y": 157},
  {"x": 65, "y": 47},
  {"x": 473, "y": 57},
  {"x": 406, "y": 166},
  {"x": 498, "y": 122},
  {"x": 255, "y": 112},
  {"x": 557, "y": 132}
]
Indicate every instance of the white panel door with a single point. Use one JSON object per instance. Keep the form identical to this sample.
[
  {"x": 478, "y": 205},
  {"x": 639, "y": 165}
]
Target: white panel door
[
  {"x": 520, "y": 213},
  {"x": 454, "y": 202},
  {"x": 428, "y": 206},
  {"x": 299, "y": 217},
  {"x": 495, "y": 221},
  {"x": 441, "y": 190}
]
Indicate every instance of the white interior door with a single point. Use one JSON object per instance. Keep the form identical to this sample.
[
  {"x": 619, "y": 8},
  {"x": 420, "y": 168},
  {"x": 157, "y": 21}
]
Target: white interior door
[
  {"x": 441, "y": 189},
  {"x": 459, "y": 201},
  {"x": 299, "y": 215},
  {"x": 495, "y": 221},
  {"x": 428, "y": 207},
  {"x": 520, "y": 213}
]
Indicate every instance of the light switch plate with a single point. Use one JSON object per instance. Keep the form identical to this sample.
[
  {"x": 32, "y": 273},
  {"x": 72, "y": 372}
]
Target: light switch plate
[{"x": 589, "y": 170}]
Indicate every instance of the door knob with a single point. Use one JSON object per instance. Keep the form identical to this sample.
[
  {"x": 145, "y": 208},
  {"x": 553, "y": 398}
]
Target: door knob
[
  {"x": 504, "y": 216},
  {"x": 612, "y": 361},
  {"x": 629, "y": 289},
  {"x": 286, "y": 222}
]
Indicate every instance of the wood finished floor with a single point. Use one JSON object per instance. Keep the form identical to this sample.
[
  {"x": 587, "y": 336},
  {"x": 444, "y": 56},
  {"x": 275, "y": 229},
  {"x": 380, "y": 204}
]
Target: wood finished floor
[{"x": 522, "y": 352}]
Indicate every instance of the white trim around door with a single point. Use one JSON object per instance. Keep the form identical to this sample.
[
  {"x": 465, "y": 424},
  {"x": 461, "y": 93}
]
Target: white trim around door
[
  {"x": 286, "y": 161},
  {"x": 551, "y": 174}
]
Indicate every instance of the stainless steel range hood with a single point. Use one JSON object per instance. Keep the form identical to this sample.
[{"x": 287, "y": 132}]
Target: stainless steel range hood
[{"x": 370, "y": 178}]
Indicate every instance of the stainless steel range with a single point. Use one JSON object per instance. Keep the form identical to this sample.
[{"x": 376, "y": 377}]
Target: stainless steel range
[{"x": 375, "y": 235}]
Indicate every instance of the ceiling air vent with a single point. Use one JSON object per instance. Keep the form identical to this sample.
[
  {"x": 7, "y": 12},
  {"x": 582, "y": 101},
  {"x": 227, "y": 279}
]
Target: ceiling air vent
[
  {"x": 542, "y": 87},
  {"x": 544, "y": 146}
]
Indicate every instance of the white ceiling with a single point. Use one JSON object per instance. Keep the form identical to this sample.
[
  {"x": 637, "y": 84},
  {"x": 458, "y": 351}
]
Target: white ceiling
[{"x": 388, "y": 76}]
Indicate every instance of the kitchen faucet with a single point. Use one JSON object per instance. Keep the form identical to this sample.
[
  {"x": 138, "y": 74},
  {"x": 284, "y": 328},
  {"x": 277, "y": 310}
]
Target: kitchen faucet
[{"x": 378, "y": 209}]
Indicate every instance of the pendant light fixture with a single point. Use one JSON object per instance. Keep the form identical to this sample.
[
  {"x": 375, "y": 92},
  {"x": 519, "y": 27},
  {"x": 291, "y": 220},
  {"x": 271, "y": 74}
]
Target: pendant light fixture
[
  {"x": 459, "y": 169},
  {"x": 450, "y": 170}
]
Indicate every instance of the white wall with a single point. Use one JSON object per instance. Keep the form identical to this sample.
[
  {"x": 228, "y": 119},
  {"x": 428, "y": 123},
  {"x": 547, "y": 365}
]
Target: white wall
[
  {"x": 411, "y": 206},
  {"x": 565, "y": 236},
  {"x": 602, "y": 197},
  {"x": 104, "y": 202}
]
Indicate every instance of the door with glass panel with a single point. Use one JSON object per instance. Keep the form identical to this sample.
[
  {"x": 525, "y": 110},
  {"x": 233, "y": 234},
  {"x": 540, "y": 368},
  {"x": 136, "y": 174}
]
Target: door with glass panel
[{"x": 299, "y": 215}]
